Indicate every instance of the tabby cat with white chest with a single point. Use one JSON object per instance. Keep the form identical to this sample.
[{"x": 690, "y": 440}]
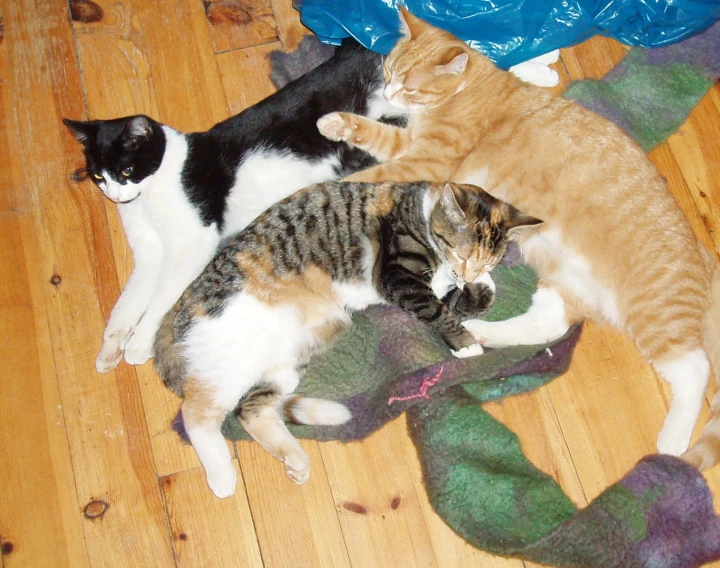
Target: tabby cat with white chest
[
  {"x": 179, "y": 195},
  {"x": 240, "y": 335},
  {"x": 614, "y": 246}
]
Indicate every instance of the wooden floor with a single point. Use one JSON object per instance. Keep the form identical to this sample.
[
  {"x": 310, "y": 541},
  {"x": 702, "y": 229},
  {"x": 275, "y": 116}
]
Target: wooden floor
[{"x": 90, "y": 473}]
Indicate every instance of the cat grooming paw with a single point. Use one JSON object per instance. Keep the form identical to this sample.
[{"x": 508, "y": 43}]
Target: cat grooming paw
[
  {"x": 469, "y": 351},
  {"x": 222, "y": 481},
  {"x": 336, "y": 126},
  {"x": 139, "y": 348}
]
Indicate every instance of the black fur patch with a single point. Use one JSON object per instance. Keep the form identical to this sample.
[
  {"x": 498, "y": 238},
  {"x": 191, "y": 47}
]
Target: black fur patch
[{"x": 286, "y": 121}]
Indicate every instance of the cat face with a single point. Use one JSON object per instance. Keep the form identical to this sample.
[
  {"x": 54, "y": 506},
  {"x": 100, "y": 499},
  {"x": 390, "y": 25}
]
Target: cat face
[
  {"x": 121, "y": 154},
  {"x": 470, "y": 230},
  {"x": 425, "y": 68}
]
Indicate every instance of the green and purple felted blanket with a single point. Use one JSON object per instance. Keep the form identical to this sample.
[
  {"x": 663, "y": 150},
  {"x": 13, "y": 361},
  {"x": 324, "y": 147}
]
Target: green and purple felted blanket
[{"x": 659, "y": 515}]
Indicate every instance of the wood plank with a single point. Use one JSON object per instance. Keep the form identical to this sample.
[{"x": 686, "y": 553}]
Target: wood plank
[
  {"x": 246, "y": 75},
  {"x": 609, "y": 407},
  {"x": 376, "y": 495},
  {"x": 236, "y": 24},
  {"x": 151, "y": 58},
  {"x": 35, "y": 467},
  {"x": 288, "y": 21},
  {"x": 696, "y": 150},
  {"x": 103, "y": 418},
  {"x": 593, "y": 58},
  {"x": 296, "y": 525},
  {"x": 208, "y": 531}
]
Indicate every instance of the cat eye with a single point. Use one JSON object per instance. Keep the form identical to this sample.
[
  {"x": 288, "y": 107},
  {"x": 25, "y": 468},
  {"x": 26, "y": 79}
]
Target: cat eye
[
  {"x": 98, "y": 177},
  {"x": 127, "y": 171}
]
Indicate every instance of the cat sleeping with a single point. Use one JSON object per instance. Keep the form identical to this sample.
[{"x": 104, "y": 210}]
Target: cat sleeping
[
  {"x": 614, "y": 245},
  {"x": 239, "y": 336},
  {"x": 179, "y": 194}
]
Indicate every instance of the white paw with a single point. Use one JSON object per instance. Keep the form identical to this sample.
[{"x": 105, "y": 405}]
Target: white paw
[
  {"x": 536, "y": 74},
  {"x": 469, "y": 351},
  {"x": 139, "y": 348},
  {"x": 673, "y": 441},
  {"x": 222, "y": 481},
  {"x": 112, "y": 349},
  {"x": 332, "y": 126},
  {"x": 547, "y": 58},
  {"x": 479, "y": 329},
  {"x": 297, "y": 466}
]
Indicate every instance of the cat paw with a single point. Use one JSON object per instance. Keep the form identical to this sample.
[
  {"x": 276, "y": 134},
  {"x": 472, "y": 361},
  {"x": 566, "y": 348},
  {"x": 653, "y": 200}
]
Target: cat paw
[
  {"x": 139, "y": 348},
  {"x": 108, "y": 358},
  {"x": 547, "y": 58},
  {"x": 538, "y": 74},
  {"x": 469, "y": 351},
  {"x": 478, "y": 329},
  {"x": 111, "y": 352},
  {"x": 335, "y": 127},
  {"x": 673, "y": 441},
  {"x": 222, "y": 481},
  {"x": 297, "y": 466}
]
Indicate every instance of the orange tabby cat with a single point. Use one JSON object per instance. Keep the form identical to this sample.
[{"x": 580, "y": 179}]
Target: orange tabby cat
[{"x": 614, "y": 247}]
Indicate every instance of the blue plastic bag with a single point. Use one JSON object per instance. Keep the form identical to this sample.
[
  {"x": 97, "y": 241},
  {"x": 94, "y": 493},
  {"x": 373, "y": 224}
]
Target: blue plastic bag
[{"x": 513, "y": 31}]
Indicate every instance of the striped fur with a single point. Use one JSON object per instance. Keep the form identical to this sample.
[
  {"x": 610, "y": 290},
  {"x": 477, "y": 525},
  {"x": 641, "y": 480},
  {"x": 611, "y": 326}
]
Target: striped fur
[
  {"x": 240, "y": 335},
  {"x": 614, "y": 247}
]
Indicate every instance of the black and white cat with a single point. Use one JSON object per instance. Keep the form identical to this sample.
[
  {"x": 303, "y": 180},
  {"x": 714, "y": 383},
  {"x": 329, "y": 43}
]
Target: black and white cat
[{"x": 179, "y": 195}]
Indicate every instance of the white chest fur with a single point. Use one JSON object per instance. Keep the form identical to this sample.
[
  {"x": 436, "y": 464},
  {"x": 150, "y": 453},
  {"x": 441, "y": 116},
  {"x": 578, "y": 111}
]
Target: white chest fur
[{"x": 573, "y": 273}]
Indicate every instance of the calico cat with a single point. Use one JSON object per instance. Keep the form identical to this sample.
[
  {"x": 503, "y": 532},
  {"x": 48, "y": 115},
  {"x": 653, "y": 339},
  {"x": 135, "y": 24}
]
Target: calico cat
[
  {"x": 614, "y": 245},
  {"x": 180, "y": 194},
  {"x": 285, "y": 285}
]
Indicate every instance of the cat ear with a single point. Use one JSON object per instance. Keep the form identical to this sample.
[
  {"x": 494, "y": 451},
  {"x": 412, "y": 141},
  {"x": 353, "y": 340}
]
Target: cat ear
[
  {"x": 456, "y": 65},
  {"x": 515, "y": 219},
  {"x": 137, "y": 130},
  {"x": 450, "y": 204},
  {"x": 83, "y": 131},
  {"x": 411, "y": 26}
]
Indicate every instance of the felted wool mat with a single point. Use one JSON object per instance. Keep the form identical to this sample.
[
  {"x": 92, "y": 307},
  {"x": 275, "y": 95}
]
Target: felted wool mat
[{"x": 659, "y": 515}]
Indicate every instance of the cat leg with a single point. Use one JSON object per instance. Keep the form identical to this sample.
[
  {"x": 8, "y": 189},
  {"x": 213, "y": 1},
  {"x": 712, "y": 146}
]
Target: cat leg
[
  {"x": 404, "y": 288},
  {"x": 135, "y": 298},
  {"x": 203, "y": 416},
  {"x": 546, "y": 320},
  {"x": 384, "y": 142},
  {"x": 473, "y": 299},
  {"x": 262, "y": 417},
  {"x": 688, "y": 376},
  {"x": 182, "y": 265}
]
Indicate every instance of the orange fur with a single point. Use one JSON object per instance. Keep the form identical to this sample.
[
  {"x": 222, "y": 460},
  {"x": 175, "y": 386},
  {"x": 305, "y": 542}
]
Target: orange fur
[{"x": 601, "y": 199}]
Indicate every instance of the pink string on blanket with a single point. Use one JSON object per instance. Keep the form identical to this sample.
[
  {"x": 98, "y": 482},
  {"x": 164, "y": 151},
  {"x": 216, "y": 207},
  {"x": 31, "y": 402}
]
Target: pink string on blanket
[{"x": 426, "y": 385}]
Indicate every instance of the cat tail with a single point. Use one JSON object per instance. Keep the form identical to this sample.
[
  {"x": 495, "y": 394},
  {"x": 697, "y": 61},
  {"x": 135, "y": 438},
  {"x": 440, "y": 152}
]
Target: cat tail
[
  {"x": 316, "y": 411},
  {"x": 169, "y": 360},
  {"x": 705, "y": 453},
  {"x": 297, "y": 409}
]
